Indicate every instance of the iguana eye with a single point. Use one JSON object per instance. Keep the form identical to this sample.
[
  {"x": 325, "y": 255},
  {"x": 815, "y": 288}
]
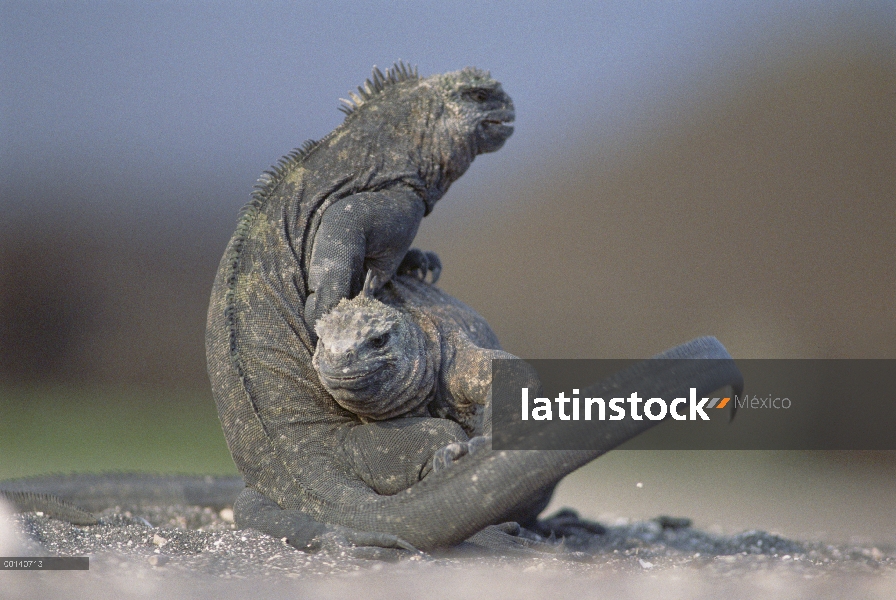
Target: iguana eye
[
  {"x": 379, "y": 341},
  {"x": 477, "y": 95}
]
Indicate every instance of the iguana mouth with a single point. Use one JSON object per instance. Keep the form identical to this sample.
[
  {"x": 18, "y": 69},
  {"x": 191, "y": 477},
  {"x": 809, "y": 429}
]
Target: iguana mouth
[
  {"x": 500, "y": 129},
  {"x": 500, "y": 117},
  {"x": 503, "y": 120},
  {"x": 352, "y": 380},
  {"x": 499, "y": 124}
]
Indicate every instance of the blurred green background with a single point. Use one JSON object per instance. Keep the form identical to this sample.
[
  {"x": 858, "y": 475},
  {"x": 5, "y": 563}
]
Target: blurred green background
[
  {"x": 76, "y": 428},
  {"x": 676, "y": 172}
]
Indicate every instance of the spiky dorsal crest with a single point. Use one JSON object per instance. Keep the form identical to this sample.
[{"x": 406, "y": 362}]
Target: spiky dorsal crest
[
  {"x": 272, "y": 177},
  {"x": 378, "y": 82}
]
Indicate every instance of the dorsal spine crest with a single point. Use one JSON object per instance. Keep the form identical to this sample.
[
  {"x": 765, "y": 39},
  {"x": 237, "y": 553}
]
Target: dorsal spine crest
[{"x": 378, "y": 82}]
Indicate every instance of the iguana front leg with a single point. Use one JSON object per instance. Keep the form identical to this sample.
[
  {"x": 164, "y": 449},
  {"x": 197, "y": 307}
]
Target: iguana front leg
[
  {"x": 391, "y": 456},
  {"x": 367, "y": 231},
  {"x": 467, "y": 377}
]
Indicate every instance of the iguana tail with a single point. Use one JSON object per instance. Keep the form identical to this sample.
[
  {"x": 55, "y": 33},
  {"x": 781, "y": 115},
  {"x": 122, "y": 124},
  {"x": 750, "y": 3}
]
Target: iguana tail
[
  {"x": 50, "y": 506},
  {"x": 73, "y": 497}
]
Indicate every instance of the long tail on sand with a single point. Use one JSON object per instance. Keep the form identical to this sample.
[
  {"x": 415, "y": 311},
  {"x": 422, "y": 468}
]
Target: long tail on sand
[{"x": 73, "y": 497}]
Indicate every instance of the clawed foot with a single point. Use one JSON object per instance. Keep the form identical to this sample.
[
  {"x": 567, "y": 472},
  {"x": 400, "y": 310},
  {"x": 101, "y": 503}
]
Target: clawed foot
[
  {"x": 419, "y": 263},
  {"x": 255, "y": 510},
  {"x": 447, "y": 456},
  {"x": 368, "y": 545}
]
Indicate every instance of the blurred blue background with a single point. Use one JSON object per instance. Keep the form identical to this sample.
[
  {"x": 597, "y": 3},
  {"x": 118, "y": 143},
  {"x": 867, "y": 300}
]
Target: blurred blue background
[
  {"x": 678, "y": 169},
  {"x": 152, "y": 100}
]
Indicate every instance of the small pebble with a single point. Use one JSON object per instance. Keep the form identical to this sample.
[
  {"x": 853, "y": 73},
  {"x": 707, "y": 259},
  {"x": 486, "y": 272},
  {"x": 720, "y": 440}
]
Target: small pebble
[
  {"x": 157, "y": 560},
  {"x": 159, "y": 540},
  {"x": 226, "y": 514}
]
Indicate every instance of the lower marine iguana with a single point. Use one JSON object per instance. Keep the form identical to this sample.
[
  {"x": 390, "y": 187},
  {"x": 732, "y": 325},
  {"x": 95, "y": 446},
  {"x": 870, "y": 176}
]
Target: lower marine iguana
[
  {"x": 415, "y": 351},
  {"x": 412, "y": 351}
]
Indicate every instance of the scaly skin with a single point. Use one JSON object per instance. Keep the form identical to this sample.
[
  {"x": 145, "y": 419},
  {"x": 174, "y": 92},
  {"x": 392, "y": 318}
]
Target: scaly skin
[
  {"x": 414, "y": 351},
  {"x": 481, "y": 489}
]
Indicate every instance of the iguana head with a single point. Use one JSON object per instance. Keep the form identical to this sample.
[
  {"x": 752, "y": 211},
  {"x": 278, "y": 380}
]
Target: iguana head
[
  {"x": 372, "y": 358},
  {"x": 476, "y": 105},
  {"x": 442, "y": 122}
]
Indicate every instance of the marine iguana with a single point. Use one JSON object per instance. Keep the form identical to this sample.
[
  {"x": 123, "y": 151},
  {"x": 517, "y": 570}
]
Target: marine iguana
[
  {"x": 327, "y": 213},
  {"x": 349, "y": 203}
]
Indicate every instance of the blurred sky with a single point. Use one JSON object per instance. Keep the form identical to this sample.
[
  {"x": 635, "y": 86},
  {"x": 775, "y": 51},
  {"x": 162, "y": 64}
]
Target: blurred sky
[{"x": 122, "y": 96}]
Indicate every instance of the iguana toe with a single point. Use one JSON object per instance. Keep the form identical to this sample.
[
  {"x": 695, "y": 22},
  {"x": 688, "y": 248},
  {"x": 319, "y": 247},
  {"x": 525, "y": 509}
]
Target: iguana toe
[
  {"x": 435, "y": 266},
  {"x": 419, "y": 263},
  {"x": 447, "y": 456}
]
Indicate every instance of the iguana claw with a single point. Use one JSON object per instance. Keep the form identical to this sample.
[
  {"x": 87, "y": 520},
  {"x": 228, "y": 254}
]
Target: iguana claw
[{"x": 447, "y": 456}]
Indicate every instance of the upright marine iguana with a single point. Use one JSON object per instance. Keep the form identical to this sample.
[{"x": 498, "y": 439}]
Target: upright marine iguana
[
  {"x": 349, "y": 203},
  {"x": 331, "y": 211}
]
